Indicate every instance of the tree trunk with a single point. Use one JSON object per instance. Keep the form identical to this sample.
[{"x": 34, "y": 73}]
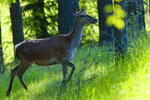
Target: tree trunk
[
  {"x": 136, "y": 15},
  {"x": 149, "y": 6},
  {"x": 16, "y": 22},
  {"x": 105, "y": 32},
  {"x": 1, "y": 50},
  {"x": 65, "y": 15},
  {"x": 121, "y": 37},
  {"x": 141, "y": 17}
]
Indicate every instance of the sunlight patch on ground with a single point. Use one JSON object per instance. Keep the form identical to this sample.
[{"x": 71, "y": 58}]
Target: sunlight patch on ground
[{"x": 137, "y": 87}]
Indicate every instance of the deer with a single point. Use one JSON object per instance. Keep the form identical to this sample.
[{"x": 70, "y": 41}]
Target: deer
[{"x": 59, "y": 49}]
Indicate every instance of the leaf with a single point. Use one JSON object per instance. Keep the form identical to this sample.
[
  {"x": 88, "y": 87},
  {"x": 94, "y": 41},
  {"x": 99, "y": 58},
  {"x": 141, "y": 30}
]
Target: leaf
[
  {"x": 119, "y": 24},
  {"x": 14, "y": 1},
  {"x": 117, "y": 0},
  {"x": 108, "y": 9},
  {"x": 110, "y": 20},
  {"x": 120, "y": 13}
]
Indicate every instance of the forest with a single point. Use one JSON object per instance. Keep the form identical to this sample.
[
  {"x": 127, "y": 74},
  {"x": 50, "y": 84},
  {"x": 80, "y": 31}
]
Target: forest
[{"x": 94, "y": 49}]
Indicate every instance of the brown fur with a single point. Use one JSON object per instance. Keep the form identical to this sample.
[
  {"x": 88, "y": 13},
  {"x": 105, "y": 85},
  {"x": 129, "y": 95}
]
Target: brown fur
[{"x": 43, "y": 49}]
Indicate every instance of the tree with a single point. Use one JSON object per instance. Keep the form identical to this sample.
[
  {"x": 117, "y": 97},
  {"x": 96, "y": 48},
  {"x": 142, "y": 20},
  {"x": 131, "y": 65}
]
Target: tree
[
  {"x": 149, "y": 5},
  {"x": 16, "y": 22},
  {"x": 121, "y": 36},
  {"x": 1, "y": 51},
  {"x": 65, "y": 15},
  {"x": 105, "y": 32},
  {"x": 136, "y": 15},
  {"x": 141, "y": 17}
]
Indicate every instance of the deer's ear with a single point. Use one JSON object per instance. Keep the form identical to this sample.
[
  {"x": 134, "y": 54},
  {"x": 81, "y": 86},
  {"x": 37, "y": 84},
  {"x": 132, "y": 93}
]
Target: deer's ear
[
  {"x": 74, "y": 10},
  {"x": 83, "y": 10}
]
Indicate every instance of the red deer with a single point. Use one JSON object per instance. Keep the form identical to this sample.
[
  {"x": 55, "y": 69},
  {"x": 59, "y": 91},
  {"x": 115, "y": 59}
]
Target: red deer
[{"x": 59, "y": 49}]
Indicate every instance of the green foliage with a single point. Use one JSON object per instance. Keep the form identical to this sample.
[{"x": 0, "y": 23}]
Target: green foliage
[
  {"x": 34, "y": 19},
  {"x": 51, "y": 13},
  {"x": 6, "y": 35},
  {"x": 95, "y": 77},
  {"x": 7, "y": 2}
]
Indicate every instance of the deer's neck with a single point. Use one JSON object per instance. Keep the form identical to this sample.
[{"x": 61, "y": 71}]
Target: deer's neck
[{"x": 76, "y": 34}]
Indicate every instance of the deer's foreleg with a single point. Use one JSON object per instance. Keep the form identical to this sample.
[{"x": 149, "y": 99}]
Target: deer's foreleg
[
  {"x": 64, "y": 70},
  {"x": 67, "y": 63}
]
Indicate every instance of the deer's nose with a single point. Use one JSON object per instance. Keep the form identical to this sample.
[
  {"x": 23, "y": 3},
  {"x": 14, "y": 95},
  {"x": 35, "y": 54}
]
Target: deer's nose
[{"x": 95, "y": 20}]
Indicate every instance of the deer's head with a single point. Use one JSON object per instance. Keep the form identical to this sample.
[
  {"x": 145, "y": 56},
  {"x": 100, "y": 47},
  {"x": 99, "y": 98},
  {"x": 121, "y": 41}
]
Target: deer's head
[{"x": 84, "y": 18}]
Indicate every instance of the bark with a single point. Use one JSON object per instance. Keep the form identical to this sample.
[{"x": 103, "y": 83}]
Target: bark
[
  {"x": 136, "y": 14},
  {"x": 65, "y": 15},
  {"x": 1, "y": 50},
  {"x": 16, "y": 22},
  {"x": 105, "y": 32},
  {"x": 141, "y": 17}
]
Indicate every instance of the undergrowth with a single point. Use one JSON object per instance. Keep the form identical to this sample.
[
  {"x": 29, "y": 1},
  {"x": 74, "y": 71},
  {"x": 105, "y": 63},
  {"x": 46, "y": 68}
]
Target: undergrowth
[{"x": 96, "y": 77}]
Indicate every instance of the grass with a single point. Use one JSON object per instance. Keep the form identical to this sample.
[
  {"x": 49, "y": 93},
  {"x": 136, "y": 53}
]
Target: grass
[{"x": 96, "y": 77}]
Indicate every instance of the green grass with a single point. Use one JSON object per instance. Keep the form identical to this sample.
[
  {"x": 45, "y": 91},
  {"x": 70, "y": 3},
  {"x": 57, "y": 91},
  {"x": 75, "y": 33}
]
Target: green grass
[{"x": 96, "y": 77}]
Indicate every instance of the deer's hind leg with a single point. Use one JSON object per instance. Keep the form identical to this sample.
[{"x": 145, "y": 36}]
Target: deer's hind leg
[
  {"x": 22, "y": 70},
  {"x": 13, "y": 73}
]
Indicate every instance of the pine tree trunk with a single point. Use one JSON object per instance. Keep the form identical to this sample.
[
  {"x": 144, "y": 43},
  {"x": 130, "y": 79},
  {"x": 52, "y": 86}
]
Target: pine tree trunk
[
  {"x": 136, "y": 14},
  {"x": 141, "y": 17},
  {"x": 1, "y": 50},
  {"x": 16, "y": 22},
  {"x": 105, "y": 32},
  {"x": 65, "y": 15}
]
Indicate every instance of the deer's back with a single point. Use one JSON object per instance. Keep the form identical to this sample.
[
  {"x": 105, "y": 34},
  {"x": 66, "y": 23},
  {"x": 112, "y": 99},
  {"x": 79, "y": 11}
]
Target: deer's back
[{"x": 45, "y": 51}]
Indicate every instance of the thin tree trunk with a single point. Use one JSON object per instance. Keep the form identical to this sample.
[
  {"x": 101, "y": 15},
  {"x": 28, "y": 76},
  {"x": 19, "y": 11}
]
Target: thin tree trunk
[
  {"x": 105, "y": 32},
  {"x": 136, "y": 14},
  {"x": 141, "y": 17},
  {"x": 1, "y": 50},
  {"x": 16, "y": 22},
  {"x": 149, "y": 6}
]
